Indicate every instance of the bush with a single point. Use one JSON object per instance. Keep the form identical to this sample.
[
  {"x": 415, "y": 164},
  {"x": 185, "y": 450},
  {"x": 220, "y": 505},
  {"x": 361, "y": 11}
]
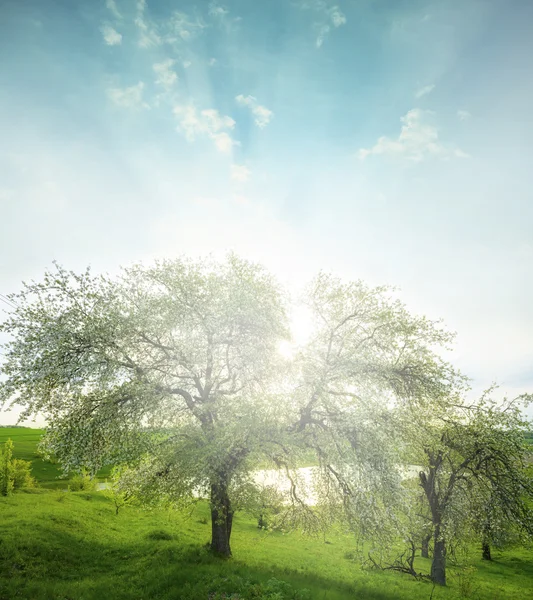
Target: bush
[
  {"x": 82, "y": 482},
  {"x": 15, "y": 474},
  {"x": 7, "y": 483},
  {"x": 22, "y": 477}
]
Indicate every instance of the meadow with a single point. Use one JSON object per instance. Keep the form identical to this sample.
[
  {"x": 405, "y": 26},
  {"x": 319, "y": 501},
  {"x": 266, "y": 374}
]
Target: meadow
[{"x": 72, "y": 546}]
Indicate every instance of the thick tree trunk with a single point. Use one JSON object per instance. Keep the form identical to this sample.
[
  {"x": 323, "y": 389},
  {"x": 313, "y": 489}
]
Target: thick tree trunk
[
  {"x": 221, "y": 519},
  {"x": 425, "y": 546},
  {"x": 438, "y": 565},
  {"x": 485, "y": 550}
]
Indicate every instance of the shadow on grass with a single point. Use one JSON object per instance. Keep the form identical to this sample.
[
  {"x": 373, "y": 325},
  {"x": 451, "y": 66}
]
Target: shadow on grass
[{"x": 57, "y": 560}]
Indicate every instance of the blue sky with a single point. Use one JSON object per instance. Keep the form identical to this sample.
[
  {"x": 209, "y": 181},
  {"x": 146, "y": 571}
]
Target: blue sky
[{"x": 382, "y": 140}]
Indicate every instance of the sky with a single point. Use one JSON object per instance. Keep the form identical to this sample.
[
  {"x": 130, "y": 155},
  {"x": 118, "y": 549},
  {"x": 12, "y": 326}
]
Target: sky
[{"x": 389, "y": 141}]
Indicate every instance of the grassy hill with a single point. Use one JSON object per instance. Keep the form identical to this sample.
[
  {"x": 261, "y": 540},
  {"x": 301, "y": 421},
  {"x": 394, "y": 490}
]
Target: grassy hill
[{"x": 57, "y": 545}]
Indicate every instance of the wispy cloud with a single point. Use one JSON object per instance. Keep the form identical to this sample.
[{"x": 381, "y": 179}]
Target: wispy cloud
[
  {"x": 262, "y": 114},
  {"x": 418, "y": 140},
  {"x": 111, "y": 6},
  {"x": 217, "y": 10},
  {"x": 165, "y": 75},
  {"x": 130, "y": 97},
  {"x": 240, "y": 173},
  {"x": 148, "y": 33},
  {"x": 220, "y": 15},
  {"x": 193, "y": 124},
  {"x": 182, "y": 27},
  {"x": 463, "y": 115},
  {"x": 424, "y": 90},
  {"x": 329, "y": 16},
  {"x": 111, "y": 36},
  {"x": 173, "y": 30}
]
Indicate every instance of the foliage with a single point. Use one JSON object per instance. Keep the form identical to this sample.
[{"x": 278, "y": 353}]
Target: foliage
[
  {"x": 15, "y": 473},
  {"x": 7, "y": 471},
  {"x": 22, "y": 477},
  {"x": 174, "y": 370},
  {"x": 474, "y": 475},
  {"x": 115, "y": 490},
  {"x": 264, "y": 502},
  {"x": 46, "y": 472},
  {"x": 82, "y": 482}
]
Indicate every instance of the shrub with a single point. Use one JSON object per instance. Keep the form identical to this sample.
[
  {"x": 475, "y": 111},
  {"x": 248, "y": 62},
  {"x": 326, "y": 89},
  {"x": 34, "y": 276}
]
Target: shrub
[
  {"x": 22, "y": 477},
  {"x": 15, "y": 474},
  {"x": 82, "y": 482},
  {"x": 7, "y": 482},
  {"x": 115, "y": 490}
]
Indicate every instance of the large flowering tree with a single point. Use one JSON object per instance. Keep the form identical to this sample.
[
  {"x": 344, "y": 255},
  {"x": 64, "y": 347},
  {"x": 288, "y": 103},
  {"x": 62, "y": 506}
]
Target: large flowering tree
[{"x": 174, "y": 370}]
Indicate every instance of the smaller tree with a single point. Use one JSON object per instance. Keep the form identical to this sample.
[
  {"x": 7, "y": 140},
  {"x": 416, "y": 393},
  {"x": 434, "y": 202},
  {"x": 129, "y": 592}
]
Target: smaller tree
[
  {"x": 22, "y": 477},
  {"x": 15, "y": 473},
  {"x": 264, "y": 503},
  {"x": 475, "y": 459},
  {"x": 119, "y": 496},
  {"x": 7, "y": 478}
]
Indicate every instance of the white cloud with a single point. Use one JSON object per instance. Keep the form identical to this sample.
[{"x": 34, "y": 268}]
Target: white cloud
[
  {"x": 463, "y": 115},
  {"x": 212, "y": 62},
  {"x": 322, "y": 34},
  {"x": 208, "y": 122},
  {"x": 165, "y": 75},
  {"x": 182, "y": 26},
  {"x": 262, "y": 114},
  {"x": 329, "y": 15},
  {"x": 460, "y": 153},
  {"x": 424, "y": 90},
  {"x": 130, "y": 97},
  {"x": 112, "y": 8},
  {"x": 240, "y": 173},
  {"x": 224, "y": 142},
  {"x": 216, "y": 10},
  {"x": 220, "y": 15},
  {"x": 148, "y": 34},
  {"x": 418, "y": 139},
  {"x": 178, "y": 28},
  {"x": 337, "y": 17},
  {"x": 111, "y": 36},
  {"x": 186, "y": 64}
]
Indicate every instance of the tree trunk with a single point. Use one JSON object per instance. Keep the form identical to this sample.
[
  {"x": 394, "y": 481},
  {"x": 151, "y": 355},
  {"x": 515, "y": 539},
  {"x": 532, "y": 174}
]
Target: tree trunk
[
  {"x": 485, "y": 550},
  {"x": 486, "y": 535},
  {"x": 438, "y": 566},
  {"x": 221, "y": 519},
  {"x": 425, "y": 545}
]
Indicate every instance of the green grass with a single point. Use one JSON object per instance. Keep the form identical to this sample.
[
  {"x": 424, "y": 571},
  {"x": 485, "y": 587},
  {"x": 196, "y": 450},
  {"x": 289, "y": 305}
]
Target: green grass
[{"x": 56, "y": 545}]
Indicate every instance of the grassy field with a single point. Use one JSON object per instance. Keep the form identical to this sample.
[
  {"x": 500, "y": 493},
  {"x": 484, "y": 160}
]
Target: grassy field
[
  {"x": 71, "y": 546},
  {"x": 25, "y": 439}
]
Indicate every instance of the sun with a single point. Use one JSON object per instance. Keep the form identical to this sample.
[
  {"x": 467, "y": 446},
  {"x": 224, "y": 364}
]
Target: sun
[{"x": 301, "y": 326}]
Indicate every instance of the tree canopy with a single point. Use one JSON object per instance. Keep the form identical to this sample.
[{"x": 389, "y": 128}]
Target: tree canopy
[{"x": 174, "y": 370}]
